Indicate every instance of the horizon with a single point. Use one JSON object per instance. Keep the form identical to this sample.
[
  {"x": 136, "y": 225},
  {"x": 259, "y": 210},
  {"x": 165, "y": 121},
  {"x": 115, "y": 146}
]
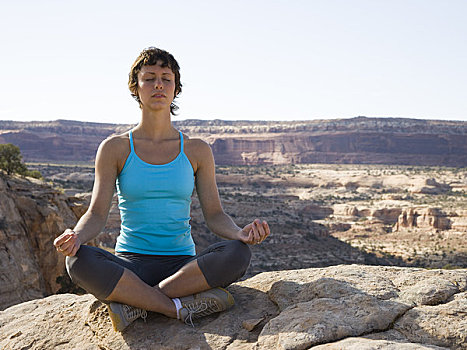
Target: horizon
[
  {"x": 240, "y": 120},
  {"x": 251, "y": 60}
]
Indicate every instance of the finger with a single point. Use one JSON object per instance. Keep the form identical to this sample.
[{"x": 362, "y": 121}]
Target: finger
[
  {"x": 59, "y": 240},
  {"x": 64, "y": 246},
  {"x": 75, "y": 250},
  {"x": 71, "y": 250},
  {"x": 257, "y": 236},
  {"x": 266, "y": 228},
  {"x": 65, "y": 249},
  {"x": 251, "y": 236},
  {"x": 63, "y": 237},
  {"x": 68, "y": 251},
  {"x": 68, "y": 245},
  {"x": 261, "y": 230},
  {"x": 70, "y": 240}
]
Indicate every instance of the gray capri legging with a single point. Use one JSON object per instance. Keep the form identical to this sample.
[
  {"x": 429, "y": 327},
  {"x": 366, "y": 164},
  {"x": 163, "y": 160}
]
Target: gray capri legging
[{"x": 98, "y": 271}]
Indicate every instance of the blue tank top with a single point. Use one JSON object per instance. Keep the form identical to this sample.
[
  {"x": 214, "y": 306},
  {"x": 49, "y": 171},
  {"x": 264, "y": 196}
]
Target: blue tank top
[{"x": 154, "y": 202}]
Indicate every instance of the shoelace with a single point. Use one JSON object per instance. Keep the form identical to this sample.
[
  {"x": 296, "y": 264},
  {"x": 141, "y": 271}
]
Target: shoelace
[
  {"x": 200, "y": 309},
  {"x": 132, "y": 313}
]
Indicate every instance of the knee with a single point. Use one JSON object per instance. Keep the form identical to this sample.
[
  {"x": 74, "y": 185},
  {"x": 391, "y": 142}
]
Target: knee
[
  {"x": 72, "y": 264},
  {"x": 79, "y": 266},
  {"x": 239, "y": 255}
]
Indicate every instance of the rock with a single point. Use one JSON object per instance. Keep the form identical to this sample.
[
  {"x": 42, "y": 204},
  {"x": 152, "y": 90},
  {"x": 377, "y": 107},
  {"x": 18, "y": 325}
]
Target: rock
[
  {"x": 339, "y": 307},
  {"x": 459, "y": 222},
  {"x": 323, "y": 320},
  {"x": 386, "y": 215},
  {"x": 53, "y": 317},
  {"x": 339, "y": 226},
  {"x": 429, "y": 218},
  {"x": 386, "y": 283},
  {"x": 32, "y": 214},
  {"x": 249, "y": 325},
  {"x": 431, "y": 291},
  {"x": 429, "y": 186},
  {"x": 368, "y": 344},
  {"x": 81, "y": 322},
  {"x": 351, "y": 211},
  {"x": 442, "y": 325},
  {"x": 406, "y": 219},
  {"x": 316, "y": 212}
]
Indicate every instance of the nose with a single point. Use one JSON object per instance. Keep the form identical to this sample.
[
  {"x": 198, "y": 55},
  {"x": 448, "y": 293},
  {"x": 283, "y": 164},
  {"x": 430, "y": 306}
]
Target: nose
[{"x": 158, "y": 83}]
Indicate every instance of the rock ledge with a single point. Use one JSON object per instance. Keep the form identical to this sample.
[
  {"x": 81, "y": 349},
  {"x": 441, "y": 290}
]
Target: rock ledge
[{"x": 338, "y": 307}]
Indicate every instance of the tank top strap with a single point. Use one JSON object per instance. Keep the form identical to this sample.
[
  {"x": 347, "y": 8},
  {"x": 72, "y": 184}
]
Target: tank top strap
[
  {"x": 132, "y": 147},
  {"x": 181, "y": 142}
]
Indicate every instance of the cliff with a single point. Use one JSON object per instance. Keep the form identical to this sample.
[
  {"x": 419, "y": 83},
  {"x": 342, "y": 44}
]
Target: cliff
[
  {"x": 32, "y": 214},
  {"x": 357, "y": 140},
  {"x": 339, "y": 307}
]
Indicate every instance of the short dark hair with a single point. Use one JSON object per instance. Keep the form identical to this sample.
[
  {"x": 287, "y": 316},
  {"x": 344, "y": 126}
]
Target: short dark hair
[{"x": 149, "y": 57}]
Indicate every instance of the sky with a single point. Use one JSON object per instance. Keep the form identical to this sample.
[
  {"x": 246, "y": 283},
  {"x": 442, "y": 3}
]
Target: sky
[{"x": 240, "y": 60}]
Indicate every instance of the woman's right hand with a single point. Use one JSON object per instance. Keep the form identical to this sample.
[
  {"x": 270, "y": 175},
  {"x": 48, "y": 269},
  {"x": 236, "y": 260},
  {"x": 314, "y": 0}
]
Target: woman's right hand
[{"x": 67, "y": 243}]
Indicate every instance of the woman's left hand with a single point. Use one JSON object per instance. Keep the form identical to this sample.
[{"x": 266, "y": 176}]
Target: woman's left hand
[{"x": 254, "y": 233}]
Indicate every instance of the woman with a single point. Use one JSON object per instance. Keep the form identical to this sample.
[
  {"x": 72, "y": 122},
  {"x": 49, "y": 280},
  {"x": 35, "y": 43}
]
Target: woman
[{"x": 155, "y": 168}]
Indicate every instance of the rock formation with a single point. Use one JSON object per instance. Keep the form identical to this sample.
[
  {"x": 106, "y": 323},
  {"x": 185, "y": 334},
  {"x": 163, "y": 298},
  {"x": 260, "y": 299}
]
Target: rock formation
[
  {"x": 430, "y": 218},
  {"x": 358, "y": 140},
  {"x": 339, "y": 307},
  {"x": 31, "y": 216}
]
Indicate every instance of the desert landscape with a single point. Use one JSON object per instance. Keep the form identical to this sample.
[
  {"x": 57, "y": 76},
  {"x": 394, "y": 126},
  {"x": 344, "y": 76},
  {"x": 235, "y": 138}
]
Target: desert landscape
[
  {"x": 402, "y": 215},
  {"x": 330, "y": 221}
]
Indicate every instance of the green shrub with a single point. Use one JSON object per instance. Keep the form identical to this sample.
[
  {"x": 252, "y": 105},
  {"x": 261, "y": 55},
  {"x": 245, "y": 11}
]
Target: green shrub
[{"x": 11, "y": 159}]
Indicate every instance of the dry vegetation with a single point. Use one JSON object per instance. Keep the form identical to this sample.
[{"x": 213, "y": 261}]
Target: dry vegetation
[
  {"x": 416, "y": 213},
  {"x": 328, "y": 214}
]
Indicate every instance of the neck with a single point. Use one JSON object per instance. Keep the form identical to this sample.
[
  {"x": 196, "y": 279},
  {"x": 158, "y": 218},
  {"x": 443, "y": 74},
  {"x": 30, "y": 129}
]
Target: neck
[{"x": 155, "y": 125}]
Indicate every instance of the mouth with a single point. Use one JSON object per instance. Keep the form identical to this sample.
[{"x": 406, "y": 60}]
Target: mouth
[{"x": 158, "y": 95}]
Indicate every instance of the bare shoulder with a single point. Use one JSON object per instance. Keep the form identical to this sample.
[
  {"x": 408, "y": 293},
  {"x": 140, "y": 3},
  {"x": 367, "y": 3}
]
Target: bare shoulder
[
  {"x": 197, "y": 147},
  {"x": 115, "y": 148},
  {"x": 198, "y": 152},
  {"x": 116, "y": 142}
]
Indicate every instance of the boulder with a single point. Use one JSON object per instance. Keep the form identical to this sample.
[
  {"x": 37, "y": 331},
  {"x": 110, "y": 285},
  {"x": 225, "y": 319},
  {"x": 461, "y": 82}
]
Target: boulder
[
  {"x": 338, "y": 307},
  {"x": 32, "y": 214}
]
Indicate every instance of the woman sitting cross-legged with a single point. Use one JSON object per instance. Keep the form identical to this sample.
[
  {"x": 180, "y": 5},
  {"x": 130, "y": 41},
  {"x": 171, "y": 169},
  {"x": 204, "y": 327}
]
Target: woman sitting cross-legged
[{"x": 155, "y": 169}]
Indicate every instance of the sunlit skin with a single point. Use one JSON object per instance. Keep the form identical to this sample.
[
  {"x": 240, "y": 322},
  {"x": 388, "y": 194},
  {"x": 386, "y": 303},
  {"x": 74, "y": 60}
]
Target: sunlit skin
[
  {"x": 156, "y": 141},
  {"x": 156, "y": 87}
]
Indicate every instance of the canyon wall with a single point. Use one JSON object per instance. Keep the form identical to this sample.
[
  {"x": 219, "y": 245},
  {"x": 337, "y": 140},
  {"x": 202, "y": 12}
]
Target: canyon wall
[
  {"x": 31, "y": 216},
  {"x": 357, "y": 140}
]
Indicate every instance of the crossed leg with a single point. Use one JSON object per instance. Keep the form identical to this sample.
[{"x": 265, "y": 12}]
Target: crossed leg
[
  {"x": 131, "y": 290},
  {"x": 113, "y": 278}
]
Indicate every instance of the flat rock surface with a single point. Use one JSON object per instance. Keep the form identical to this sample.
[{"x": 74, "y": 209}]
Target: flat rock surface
[{"x": 339, "y": 307}]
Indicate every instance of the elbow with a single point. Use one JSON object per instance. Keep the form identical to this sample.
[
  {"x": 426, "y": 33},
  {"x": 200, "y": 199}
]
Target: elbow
[
  {"x": 214, "y": 217},
  {"x": 96, "y": 215}
]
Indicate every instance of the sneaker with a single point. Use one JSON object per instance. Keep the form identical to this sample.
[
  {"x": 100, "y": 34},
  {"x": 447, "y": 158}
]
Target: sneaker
[
  {"x": 205, "y": 303},
  {"x": 122, "y": 315}
]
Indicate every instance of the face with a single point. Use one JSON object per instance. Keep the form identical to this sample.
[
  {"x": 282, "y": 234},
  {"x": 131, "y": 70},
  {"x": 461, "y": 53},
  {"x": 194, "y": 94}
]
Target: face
[{"x": 156, "y": 86}]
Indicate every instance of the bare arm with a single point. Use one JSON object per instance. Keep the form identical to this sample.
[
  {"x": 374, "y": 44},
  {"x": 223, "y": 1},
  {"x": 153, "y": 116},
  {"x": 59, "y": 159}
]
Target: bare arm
[
  {"x": 93, "y": 221},
  {"x": 216, "y": 219}
]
